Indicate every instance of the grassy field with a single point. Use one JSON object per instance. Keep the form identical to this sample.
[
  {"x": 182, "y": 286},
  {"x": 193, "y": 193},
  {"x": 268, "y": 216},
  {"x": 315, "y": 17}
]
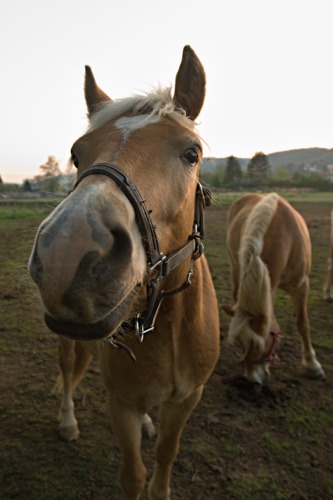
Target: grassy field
[
  {"x": 293, "y": 196},
  {"x": 241, "y": 443}
]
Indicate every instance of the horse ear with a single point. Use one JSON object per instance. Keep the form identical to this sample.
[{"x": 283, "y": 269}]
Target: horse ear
[
  {"x": 190, "y": 84},
  {"x": 93, "y": 94}
]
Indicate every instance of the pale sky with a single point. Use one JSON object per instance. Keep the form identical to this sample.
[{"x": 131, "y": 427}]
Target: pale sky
[{"x": 269, "y": 67}]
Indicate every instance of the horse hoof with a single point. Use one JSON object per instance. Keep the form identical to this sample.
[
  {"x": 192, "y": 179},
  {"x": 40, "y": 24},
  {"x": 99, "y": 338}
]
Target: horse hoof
[
  {"x": 315, "y": 373},
  {"x": 69, "y": 433},
  {"x": 320, "y": 375}
]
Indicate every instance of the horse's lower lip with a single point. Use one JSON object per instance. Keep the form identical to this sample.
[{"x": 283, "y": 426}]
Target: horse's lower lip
[
  {"x": 93, "y": 331},
  {"x": 78, "y": 331}
]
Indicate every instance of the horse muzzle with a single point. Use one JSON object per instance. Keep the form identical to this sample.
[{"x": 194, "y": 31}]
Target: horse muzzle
[{"x": 92, "y": 331}]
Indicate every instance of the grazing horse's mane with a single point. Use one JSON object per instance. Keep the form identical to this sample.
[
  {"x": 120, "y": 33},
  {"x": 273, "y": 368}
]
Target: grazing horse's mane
[
  {"x": 254, "y": 296},
  {"x": 143, "y": 110}
]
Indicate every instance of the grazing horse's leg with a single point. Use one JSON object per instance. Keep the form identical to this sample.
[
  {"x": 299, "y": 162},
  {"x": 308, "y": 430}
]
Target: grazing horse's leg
[
  {"x": 127, "y": 426},
  {"x": 173, "y": 417},
  {"x": 148, "y": 426},
  {"x": 73, "y": 362},
  {"x": 309, "y": 361},
  {"x": 328, "y": 282},
  {"x": 235, "y": 281}
]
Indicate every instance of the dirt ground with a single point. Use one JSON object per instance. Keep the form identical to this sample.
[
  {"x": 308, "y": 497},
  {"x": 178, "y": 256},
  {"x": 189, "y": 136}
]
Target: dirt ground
[{"x": 242, "y": 442}]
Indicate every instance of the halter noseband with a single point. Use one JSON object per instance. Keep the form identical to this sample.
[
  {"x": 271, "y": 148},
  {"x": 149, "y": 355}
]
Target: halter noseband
[
  {"x": 270, "y": 356},
  {"x": 158, "y": 265}
]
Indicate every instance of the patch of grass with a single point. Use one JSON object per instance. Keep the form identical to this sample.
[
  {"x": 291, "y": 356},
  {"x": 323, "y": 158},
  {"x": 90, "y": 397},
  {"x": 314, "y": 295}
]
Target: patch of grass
[
  {"x": 320, "y": 339},
  {"x": 22, "y": 213},
  {"x": 260, "y": 486},
  {"x": 330, "y": 489},
  {"x": 30, "y": 203},
  {"x": 229, "y": 452},
  {"x": 310, "y": 420},
  {"x": 274, "y": 446}
]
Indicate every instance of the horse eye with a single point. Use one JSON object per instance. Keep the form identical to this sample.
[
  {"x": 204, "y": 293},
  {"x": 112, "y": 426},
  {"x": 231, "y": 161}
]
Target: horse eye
[
  {"x": 191, "y": 156},
  {"x": 75, "y": 160}
]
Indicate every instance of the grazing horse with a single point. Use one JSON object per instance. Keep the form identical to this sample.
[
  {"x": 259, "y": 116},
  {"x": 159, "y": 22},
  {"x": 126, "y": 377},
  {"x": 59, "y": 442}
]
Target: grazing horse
[
  {"x": 328, "y": 281},
  {"x": 269, "y": 247},
  {"x": 119, "y": 269}
]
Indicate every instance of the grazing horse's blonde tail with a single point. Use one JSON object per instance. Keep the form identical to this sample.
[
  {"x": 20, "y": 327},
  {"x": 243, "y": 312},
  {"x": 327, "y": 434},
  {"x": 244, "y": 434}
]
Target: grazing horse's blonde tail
[{"x": 254, "y": 300}]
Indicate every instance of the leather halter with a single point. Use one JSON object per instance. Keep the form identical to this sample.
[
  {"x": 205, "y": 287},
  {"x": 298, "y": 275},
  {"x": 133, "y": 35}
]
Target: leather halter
[
  {"x": 271, "y": 355},
  {"x": 158, "y": 265}
]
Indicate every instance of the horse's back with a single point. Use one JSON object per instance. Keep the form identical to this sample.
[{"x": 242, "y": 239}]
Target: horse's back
[
  {"x": 287, "y": 247},
  {"x": 237, "y": 215},
  {"x": 240, "y": 207}
]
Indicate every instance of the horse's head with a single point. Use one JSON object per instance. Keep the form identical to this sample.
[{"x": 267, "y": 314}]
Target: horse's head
[
  {"x": 133, "y": 204},
  {"x": 256, "y": 340}
]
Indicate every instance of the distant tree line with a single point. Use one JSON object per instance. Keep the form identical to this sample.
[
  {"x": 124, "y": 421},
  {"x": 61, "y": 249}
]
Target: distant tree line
[
  {"x": 258, "y": 173},
  {"x": 228, "y": 175},
  {"x": 49, "y": 180}
]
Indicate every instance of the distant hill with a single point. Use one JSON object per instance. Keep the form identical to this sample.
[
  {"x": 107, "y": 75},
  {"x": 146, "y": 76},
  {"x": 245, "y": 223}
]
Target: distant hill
[
  {"x": 300, "y": 157},
  {"x": 282, "y": 159}
]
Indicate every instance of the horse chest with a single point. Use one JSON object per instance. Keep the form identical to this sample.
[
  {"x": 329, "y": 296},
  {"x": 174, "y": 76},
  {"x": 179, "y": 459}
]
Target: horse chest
[{"x": 157, "y": 376}]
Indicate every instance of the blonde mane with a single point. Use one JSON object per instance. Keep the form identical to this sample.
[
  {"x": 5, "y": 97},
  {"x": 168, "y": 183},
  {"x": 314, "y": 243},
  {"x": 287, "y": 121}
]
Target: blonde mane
[
  {"x": 254, "y": 294},
  {"x": 141, "y": 110}
]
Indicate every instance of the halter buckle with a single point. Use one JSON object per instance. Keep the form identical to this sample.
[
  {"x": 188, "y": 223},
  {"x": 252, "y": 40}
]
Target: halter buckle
[
  {"x": 157, "y": 266},
  {"x": 140, "y": 330}
]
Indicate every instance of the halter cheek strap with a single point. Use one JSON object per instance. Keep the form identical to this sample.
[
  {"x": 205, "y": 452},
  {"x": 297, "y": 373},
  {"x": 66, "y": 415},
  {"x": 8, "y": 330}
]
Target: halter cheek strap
[
  {"x": 158, "y": 265},
  {"x": 128, "y": 187},
  {"x": 270, "y": 356}
]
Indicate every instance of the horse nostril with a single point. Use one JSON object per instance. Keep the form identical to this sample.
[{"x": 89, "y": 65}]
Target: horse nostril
[
  {"x": 35, "y": 268},
  {"x": 99, "y": 269}
]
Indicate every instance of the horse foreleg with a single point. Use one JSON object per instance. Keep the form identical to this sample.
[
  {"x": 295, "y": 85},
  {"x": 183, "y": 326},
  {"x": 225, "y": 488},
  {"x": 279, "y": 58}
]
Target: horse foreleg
[
  {"x": 73, "y": 361},
  {"x": 173, "y": 417},
  {"x": 309, "y": 361},
  {"x": 148, "y": 426},
  {"x": 328, "y": 282},
  {"x": 235, "y": 281},
  {"x": 127, "y": 426}
]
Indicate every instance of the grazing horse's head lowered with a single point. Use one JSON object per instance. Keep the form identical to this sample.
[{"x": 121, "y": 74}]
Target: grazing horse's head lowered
[{"x": 120, "y": 257}]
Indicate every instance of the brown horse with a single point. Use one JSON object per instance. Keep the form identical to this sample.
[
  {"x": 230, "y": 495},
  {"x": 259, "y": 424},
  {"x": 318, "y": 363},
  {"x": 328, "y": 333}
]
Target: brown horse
[
  {"x": 269, "y": 247},
  {"x": 118, "y": 261},
  {"x": 328, "y": 280}
]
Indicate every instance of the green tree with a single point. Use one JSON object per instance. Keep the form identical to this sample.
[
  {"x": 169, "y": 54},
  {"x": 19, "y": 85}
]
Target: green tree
[
  {"x": 217, "y": 180},
  {"x": 233, "y": 172},
  {"x": 26, "y": 186},
  {"x": 258, "y": 168},
  {"x": 50, "y": 175},
  {"x": 282, "y": 174},
  {"x": 50, "y": 167}
]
